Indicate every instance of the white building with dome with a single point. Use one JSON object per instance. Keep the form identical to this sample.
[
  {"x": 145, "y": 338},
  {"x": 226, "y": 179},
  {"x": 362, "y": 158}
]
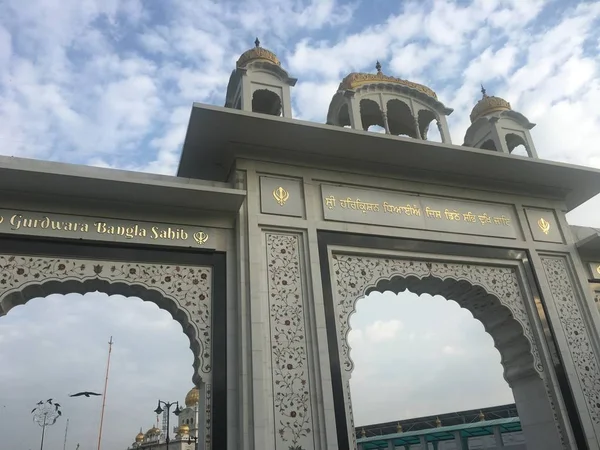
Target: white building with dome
[{"x": 183, "y": 436}]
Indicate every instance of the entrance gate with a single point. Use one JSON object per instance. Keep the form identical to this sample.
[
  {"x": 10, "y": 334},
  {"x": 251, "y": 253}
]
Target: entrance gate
[{"x": 274, "y": 229}]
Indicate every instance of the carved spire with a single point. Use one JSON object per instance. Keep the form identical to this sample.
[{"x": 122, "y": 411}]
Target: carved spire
[
  {"x": 483, "y": 91},
  {"x": 378, "y": 67},
  {"x": 257, "y": 42}
]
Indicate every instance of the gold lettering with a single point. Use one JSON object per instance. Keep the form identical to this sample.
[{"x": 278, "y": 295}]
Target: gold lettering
[
  {"x": 15, "y": 221},
  {"x": 484, "y": 218},
  {"x": 168, "y": 233},
  {"x": 330, "y": 202},
  {"x": 412, "y": 210},
  {"x": 101, "y": 227},
  {"x": 357, "y": 204},
  {"x": 469, "y": 217},
  {"x": 502, "y": 220},
  {"x": 433, "y": 213},
  {"x": 452, "y": 215}
]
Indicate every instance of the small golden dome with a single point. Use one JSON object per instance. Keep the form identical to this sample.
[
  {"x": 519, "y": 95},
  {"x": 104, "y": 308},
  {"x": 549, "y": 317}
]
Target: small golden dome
[
  {"x": 356, "y": 79},
  {"x": 192, "y": 398},
  {"x": 257, "y": 53},
  {"x": 488, "y": 104},
  {"x": 153, "y": 431},
  {"x": 184, "y": 429},
  {"x": 139, "y": 437}
]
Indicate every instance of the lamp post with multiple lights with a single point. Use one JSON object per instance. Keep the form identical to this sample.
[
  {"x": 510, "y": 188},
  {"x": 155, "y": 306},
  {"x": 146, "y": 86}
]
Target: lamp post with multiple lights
[
  {"x": 45, "y": 414},
  {"x": 159, "y": 410}
]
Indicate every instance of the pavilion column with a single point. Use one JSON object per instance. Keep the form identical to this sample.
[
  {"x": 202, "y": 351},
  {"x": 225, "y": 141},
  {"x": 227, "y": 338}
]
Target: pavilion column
[
  {"x": 354, "y": 112},
  {"x": 391, "y": 445},
  {"x": 498, "y": 437},
  {"x": 423, "y": 443},
  {"x": 386, "y": 125},
  {"x": 459, "y": 442},
  {"x": 417, "y": 131}
]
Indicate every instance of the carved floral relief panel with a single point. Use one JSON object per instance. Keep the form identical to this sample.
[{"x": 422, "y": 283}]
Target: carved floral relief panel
[
  {"x": 576, "y": 334},
  {"x": 290, "y": 371}
]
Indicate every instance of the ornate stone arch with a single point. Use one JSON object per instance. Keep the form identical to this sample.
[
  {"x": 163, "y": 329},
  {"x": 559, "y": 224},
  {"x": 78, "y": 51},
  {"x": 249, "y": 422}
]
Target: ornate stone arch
[
  {"x": 482, "y": 290},
  {"x": 184, "y": 291},
  {"x": 492, "y": 293}
]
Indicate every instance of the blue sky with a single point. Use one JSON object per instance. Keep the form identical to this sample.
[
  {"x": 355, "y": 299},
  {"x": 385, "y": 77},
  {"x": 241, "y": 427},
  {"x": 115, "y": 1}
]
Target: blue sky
[{"x": 111, "y": 83}]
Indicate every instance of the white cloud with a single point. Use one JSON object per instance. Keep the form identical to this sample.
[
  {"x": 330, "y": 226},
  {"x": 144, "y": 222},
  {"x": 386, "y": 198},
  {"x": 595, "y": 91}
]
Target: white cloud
[{"x": 381, "y": 331}]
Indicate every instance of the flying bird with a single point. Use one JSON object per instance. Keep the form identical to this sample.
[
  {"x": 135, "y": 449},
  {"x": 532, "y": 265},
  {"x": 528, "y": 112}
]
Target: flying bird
[
  {"x": 33, "y": 410},
  {"x": 49, "y": 400},
  {"x": 57, "y": 405},
  {"x": 86, "y": 393},
  {"x": 40, "y": 402}
]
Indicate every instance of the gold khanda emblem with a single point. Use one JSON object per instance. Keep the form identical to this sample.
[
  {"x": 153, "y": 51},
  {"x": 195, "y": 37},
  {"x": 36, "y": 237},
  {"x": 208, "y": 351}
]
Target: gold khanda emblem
[
  {"x": 200, "y": 237},
  {"x": 281, "y": 195},
  {"x": 544, "y": 225}
]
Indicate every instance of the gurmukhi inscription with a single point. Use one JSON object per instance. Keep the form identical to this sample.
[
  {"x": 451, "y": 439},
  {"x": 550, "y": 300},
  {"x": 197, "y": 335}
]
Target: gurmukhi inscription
[{"x": 412, "y": 211}]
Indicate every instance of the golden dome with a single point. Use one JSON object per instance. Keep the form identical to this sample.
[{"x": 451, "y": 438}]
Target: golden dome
[
  {"x": 184, "y": 429},
  {"x": 139, "y": 437},
  {"x": 257, "y": 53},
  {"x": 356, "y": 79},
  {"x": 153, "y": 431},
  {"x": 488, "y": 105},
  {"x": 192, "y": 398}
]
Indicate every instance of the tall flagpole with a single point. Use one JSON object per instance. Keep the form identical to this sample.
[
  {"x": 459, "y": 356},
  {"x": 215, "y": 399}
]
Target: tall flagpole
[{"x": 110, "y": 343}]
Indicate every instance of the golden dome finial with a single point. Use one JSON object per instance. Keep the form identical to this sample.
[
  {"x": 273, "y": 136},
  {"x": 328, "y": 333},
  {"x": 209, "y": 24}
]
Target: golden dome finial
[
  {"x": 140, "y": 436},
  {"x": 257, "y": 53},
  {"x": 487, "y": 105},
  {"x": 481, "y": 416},
  {"x": 438, "y": 422},
  {"x": 363, "y": 433},
  {"x": 184, "y": 430},
  {"x": 398, "y": 428}
]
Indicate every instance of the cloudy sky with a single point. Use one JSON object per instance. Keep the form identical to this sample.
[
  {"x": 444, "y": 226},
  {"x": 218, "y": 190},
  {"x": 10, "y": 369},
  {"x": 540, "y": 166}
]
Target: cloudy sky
[{"x": 110, "y": 83}]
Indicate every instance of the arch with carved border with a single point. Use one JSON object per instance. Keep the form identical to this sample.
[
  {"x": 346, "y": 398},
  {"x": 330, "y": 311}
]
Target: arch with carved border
[
  {"x": 491, "y": 293},
  {"x": 183, "y": 291}
]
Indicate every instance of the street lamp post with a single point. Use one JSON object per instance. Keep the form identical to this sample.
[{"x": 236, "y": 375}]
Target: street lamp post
[
  {"x": 45, "y": 414},
  {"x": 159, "y": 410}
]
